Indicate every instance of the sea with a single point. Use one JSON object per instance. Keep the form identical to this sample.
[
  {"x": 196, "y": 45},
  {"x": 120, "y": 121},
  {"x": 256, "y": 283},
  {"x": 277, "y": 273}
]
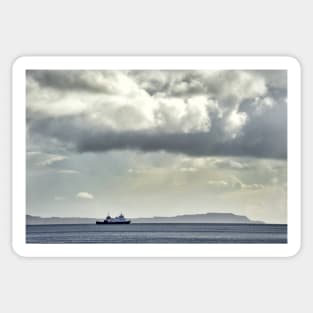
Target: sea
[{"x": 157, "y": 233}]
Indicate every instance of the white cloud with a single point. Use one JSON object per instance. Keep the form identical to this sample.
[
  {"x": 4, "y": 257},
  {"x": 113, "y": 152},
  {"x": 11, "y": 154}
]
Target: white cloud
[
  {"x": 236, "y": 183},
  {"x": 246, "y": 85},
  {"x": 85, "y": 195},
  {"x": 262, "y": 104},
  {"x": 124, "y": 103},
  {"x": 234, "y": 123},
  {"x": 32, "y": 153},
  {"x": 232, "y": 184},
  {"x": 177, "y": 115},
  {"x": 68, "y": 171},
  {"x": 138, "y": 170},
  {"x": 230, "y": 164},
  {"x": 59, "y": 198},
  {"x": 188, "y": 169},
  {"x": 42, "y": 159},
  {"x": 218, "y": 183},
  {"x": 52, "y": 158}
]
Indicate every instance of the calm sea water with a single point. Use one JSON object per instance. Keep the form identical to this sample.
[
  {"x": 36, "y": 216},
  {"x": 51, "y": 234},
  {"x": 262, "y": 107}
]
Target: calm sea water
[{"x": 157, "y": 233}]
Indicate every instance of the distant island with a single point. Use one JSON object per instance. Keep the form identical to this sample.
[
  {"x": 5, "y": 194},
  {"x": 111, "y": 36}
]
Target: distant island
[{"x": 188, "y": 218}]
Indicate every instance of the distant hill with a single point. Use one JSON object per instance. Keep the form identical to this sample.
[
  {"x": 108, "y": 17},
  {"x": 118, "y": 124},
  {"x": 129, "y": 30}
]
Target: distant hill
[
  {"x": 37, "y": 220},
  {"x": 190, "y": 218},
  {"x": 199, "y": 218}
]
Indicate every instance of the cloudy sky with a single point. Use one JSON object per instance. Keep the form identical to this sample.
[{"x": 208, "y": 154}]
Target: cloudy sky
[{"x": 157, "y": 143}]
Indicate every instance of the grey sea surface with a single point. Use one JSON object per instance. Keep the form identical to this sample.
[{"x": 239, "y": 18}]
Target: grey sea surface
[{"x": 157, "y": 233}]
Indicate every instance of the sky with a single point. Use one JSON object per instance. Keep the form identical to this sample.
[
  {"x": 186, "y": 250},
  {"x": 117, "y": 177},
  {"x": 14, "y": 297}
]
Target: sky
[{"x": 157, "y": 143}]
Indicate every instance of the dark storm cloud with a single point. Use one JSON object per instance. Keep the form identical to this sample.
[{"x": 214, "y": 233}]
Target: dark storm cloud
[
  {"x": 268, "y": 127},
  {"x": 195, "y": 144},
  {"x": 274, "y": 78},
  {"x": 269, "y": 142},
  {"x": 68, "y": 80}
]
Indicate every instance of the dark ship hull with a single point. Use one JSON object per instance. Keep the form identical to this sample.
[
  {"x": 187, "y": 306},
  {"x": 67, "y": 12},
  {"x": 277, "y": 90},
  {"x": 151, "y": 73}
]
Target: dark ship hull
[{"x": 112, "y": 222}]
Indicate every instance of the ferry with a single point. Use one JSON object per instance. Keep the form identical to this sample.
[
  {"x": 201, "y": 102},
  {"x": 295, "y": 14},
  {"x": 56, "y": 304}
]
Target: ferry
[{"x": 115, "y": 220}]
